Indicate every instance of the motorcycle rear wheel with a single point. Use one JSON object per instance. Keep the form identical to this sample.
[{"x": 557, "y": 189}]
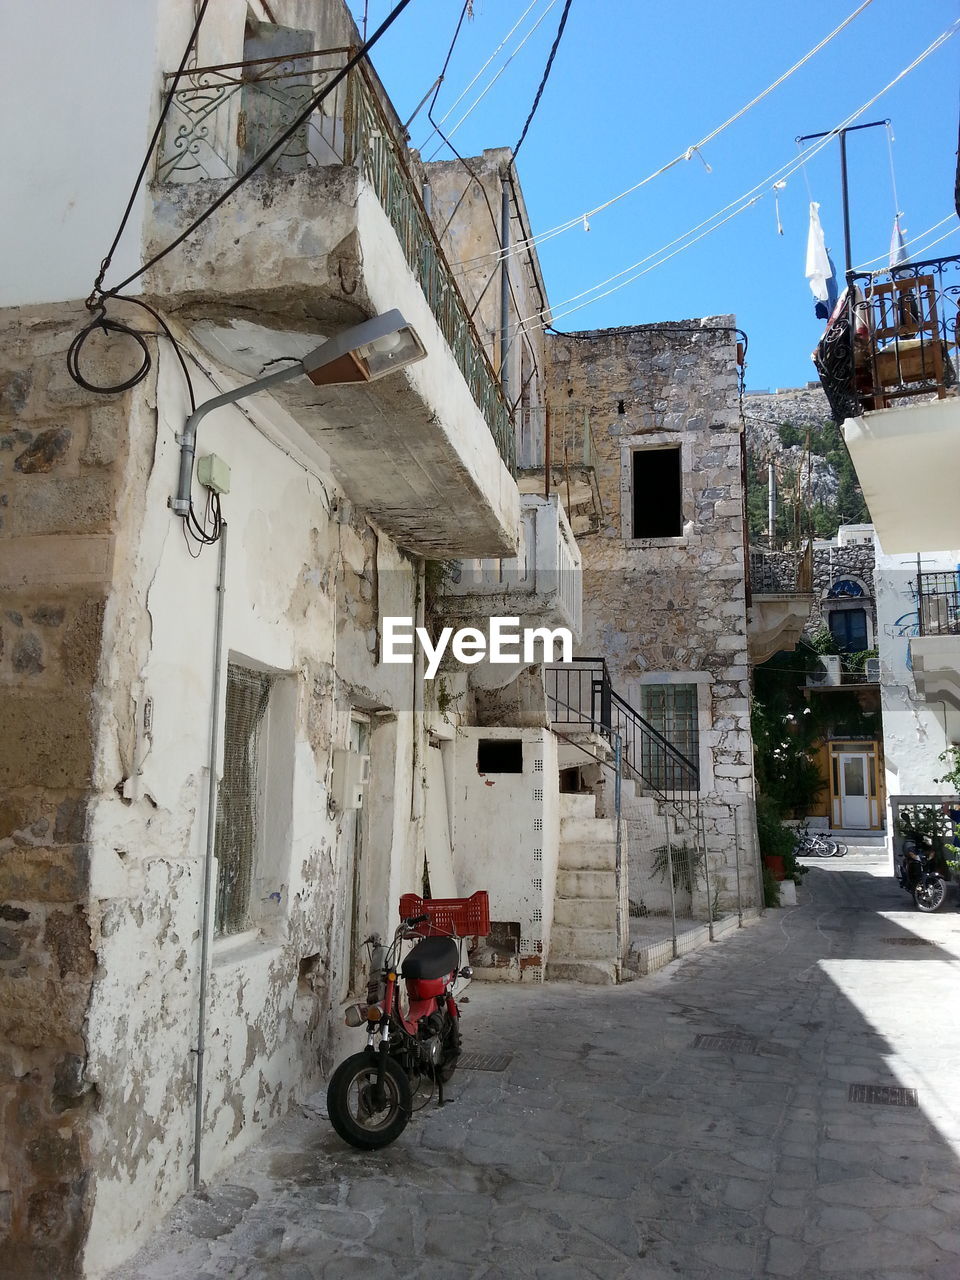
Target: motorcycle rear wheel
[
  {"x": 350, "y": 1102},
  {"x": 930, "y": 894}
]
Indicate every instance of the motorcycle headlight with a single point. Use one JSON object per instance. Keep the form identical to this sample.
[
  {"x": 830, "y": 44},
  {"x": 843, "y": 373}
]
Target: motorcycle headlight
[{"x": 355, "y": 1015}]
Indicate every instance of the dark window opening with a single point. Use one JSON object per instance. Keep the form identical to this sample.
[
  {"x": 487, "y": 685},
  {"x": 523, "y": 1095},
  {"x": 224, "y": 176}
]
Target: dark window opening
[
  {"x": 849, "y": 629},
  {"x": 495, "y": 755},
  {"x": 620, "y": 408},
  {"x": 657, "y": 494}
]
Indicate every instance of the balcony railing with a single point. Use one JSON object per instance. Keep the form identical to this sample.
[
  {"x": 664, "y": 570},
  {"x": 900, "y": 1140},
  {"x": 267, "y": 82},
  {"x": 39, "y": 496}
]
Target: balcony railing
[
  {"x": 781, "y": 573},
  {"x": 223, "y": 118},
  {"x": 895, "y": 338},
  {"x": 581, "y": 696},
  {"x": 939, "y": 604}
]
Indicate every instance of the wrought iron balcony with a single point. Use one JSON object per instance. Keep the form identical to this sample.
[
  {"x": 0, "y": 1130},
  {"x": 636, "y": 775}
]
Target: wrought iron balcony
[
  {"x": 895, "y": 338},
  {"x": 223, "y": 118},
  {"x": 778, "y": 573},
  {"x": 938, "y": 596}
]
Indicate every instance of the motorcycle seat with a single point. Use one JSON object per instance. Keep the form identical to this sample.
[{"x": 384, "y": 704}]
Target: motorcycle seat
[{"x": 431, "y": 958}]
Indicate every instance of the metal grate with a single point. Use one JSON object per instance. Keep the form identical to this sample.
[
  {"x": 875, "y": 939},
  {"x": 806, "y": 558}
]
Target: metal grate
[
  {"x": 484, "y": 1061},
  {"x": 907, "y": 942},
  {"x": 538, "y": 765},
  {"x": 248, "y": 693},
  {"x": 884, "y": 1095}
]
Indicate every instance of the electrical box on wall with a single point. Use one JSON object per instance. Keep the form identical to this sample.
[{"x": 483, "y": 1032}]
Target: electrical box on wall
[
  {"x": 351, "y": 773},
  {"x": 213, "y": 473}
]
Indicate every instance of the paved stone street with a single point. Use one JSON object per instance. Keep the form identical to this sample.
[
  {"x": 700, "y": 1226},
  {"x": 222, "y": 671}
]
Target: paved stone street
[{"x": 697, "y": 1123}]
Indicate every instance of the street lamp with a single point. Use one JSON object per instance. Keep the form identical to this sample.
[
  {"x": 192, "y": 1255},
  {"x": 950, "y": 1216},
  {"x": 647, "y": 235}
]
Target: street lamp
[{"x": 362, "y": 353}]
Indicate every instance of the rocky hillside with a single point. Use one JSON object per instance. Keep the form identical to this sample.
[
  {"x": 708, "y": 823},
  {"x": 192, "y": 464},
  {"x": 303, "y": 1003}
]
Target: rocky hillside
[{"x": 777, "y": 427}]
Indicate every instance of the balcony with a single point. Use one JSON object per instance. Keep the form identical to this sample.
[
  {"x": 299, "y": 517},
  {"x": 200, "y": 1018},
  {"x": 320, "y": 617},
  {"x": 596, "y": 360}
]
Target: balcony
[
  {"x": 542, "y": 585},
  {"x": 780, "y": 599},
  {"x": 329, "y": 232},
  {"x": 935, "y": 651},
  {"x": 888, "y": 363}
]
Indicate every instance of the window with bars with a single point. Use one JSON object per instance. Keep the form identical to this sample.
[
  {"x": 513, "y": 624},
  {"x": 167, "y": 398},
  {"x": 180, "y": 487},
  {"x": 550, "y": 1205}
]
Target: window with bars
[
  {"x": 240, "y": 795},
  {"x": 672, "y": 710}
]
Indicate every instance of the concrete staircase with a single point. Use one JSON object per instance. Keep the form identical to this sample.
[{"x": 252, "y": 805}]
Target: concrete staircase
[{"x": 583, "y": 941}]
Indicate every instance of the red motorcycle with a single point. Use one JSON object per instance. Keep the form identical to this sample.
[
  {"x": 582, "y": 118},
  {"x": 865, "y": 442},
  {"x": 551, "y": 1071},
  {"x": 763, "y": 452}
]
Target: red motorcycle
[{"x": 409, "y": 1050}]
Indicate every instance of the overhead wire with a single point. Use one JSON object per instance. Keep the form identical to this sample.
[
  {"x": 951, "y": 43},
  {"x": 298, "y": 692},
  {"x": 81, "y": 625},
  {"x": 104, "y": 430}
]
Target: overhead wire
[
  {"x": 476, "y": 102},
  {"x": 544, "y": 78},
  {"x": 560, "y": 228},
  {"x": 443, "y": 119},
  {"x": 883, "y": 257},
  {"x": 743, "y": 202}
]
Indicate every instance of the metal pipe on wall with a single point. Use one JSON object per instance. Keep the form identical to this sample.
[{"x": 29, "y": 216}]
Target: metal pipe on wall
[
  {"x": 208, "y": 861},
  {"x": 504, "y": 288}
]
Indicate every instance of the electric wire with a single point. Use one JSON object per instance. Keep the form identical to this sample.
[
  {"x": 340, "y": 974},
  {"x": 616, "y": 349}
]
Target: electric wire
[
  {"x": 686, "y": 155},
  {"x": 151, "y": 147},
  {"x": 884, "y": 257},
  {"x": 476, "y": 102},
  {"x": 464, "y": 92},
  {"x": 543, "y": 78},
  {"x": 740, "y": 205},
  {"x": 272, "y": 149}
]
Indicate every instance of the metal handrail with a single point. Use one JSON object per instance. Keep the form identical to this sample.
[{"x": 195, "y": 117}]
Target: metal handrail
[{"x": 609, "y": 713}]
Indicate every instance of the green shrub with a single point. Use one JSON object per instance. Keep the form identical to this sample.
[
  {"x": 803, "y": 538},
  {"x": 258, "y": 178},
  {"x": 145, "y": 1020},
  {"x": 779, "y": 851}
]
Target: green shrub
[{"x": 771, "y": 889}]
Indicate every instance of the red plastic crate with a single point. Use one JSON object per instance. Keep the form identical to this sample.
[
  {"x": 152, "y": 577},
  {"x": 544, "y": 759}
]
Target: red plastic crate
[{"x": 461, "y": 917}]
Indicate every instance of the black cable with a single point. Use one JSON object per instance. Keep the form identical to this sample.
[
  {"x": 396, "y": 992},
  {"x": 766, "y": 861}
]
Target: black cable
[
  {"x": 546, "y": 73},
  {"x": 275, "y": 146},
  {"x": 105, "y": 264}
]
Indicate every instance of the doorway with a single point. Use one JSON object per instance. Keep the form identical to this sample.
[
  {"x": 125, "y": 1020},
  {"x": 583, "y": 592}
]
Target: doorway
[{"x": 855, "y": 803}]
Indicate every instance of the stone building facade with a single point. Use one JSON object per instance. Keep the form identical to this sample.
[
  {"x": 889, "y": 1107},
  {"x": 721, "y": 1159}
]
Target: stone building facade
[{"x": 655, "y": 409}]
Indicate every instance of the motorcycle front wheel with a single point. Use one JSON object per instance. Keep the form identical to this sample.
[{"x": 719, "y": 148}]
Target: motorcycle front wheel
[
  {"x": 354, "y": 1110},
  {"x": 930, "y": 894}
]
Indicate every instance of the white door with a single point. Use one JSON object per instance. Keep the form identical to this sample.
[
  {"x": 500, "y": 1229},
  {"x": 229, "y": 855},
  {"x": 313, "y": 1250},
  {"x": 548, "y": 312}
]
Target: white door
[{"x": 854, "y": 791}]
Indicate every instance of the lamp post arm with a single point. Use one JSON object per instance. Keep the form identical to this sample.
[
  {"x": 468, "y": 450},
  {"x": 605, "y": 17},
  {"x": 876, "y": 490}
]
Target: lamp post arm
[{"x": 180, "y": 504}]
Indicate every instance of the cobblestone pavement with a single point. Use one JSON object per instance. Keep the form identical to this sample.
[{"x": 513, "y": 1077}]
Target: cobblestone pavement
[{"x": 621, "y": 1145}]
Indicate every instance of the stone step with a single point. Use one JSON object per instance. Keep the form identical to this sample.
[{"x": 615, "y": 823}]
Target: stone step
[
  {"x": 585, "y": 913},
  {"x": 598, "y": 972},
  {"x": 586, "y": 884},
  {"x": 588, "y": 855},
  {"x": 574, "y": 830},
  {"x": 577, "y": 805},
  {"x": 570, "y": 943}
]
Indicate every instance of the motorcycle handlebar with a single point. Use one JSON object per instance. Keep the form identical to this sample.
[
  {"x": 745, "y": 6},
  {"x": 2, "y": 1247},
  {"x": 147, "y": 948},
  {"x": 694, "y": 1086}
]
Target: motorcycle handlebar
[{"x": 409, "y": 923}]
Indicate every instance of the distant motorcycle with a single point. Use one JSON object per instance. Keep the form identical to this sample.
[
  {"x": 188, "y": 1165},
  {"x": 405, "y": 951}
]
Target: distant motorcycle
[
  {"x": 918, "y": 875},
  {"x": 370, "y": 1097}
]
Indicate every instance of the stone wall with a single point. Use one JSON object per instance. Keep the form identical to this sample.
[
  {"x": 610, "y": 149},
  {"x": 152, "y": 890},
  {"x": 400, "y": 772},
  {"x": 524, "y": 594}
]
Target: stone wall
[
  {"x": 669, "y": 610},
  {"x": 60, "y": 451}
]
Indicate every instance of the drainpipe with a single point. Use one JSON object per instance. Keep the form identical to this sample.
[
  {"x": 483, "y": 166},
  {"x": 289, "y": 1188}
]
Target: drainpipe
[
  {"x": 771, "y": 502},
  {"x": 419, "y": 660},
  {"x": 504, "y": 289},
  {"x": 208, "y": 861}
]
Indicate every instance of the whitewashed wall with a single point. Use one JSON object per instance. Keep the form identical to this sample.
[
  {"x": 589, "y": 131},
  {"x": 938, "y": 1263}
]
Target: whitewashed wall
[
  {"x": 291, "y": 605},
  {"x": 914, "y": 732}
]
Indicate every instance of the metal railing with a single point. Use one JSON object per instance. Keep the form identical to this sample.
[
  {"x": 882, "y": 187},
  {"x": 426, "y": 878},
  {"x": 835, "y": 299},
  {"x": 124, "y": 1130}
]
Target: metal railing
[
  {"x": 223, "y": 118},
  {"x": 580, "y": 694},
  {"x": 896, "y": 337},
  {"x": 938, "y": 596},
  {"x": 781, "y": 572}
]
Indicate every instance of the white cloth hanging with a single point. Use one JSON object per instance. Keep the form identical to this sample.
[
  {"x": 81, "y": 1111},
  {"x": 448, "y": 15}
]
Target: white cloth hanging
[{"x": 818, "y": 269}]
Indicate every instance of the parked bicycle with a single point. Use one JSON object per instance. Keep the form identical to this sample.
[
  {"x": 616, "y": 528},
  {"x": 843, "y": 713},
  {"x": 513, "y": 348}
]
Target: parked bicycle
[{"x": 811, "y": 844}]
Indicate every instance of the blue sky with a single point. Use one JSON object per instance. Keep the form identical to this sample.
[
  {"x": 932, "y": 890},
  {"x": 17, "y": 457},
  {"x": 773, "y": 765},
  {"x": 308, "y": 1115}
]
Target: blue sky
[{"x": 636, "y": 83}]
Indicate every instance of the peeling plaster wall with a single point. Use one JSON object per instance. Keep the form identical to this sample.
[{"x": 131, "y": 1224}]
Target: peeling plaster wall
[
  {"x": 915, "y": 732},
  {"x": 669, "y": 610},
  {"x": 305, "y": 578}
]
